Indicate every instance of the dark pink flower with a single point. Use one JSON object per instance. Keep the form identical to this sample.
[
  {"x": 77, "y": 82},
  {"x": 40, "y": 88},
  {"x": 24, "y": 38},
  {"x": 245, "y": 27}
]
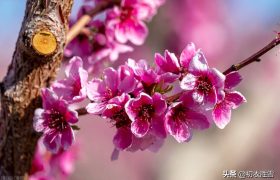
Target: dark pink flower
[
  {"x": 55, "y": 120},
  {"x": 115, "y": 111},
  {"x": 168, "y": 63},
  {"x": 206, "y": 84},
  {"x": 113, "y": 84},
  {"x": 143, "y": 72},
  {"x": 170, "y": 68},
  {"x": 180, "y": 120},
  {"x": 233, "y": 99},
  {"x": 146, "y": 113},
  {"x": 187, "y": 55},
  {"x": 73, "y": 88}
]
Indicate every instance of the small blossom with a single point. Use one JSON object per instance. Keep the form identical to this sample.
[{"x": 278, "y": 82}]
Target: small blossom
[
  {"x": 206, "y": 84},
  {"x": 128, "y": 22},
  {"x": 187, "y": 55},
  {"x": 233, "y": 99},
  {"x": 146, "y": 112},
  {"x": 115, "y": 111},
  {"x": 143, "y": 72},
  {"x": 113, "y": 84},
  {"x": 168, "y": 63},
  {"x": 73, "y": 88},
  {"x": 180, "y": 120},
  {"x": 47, "y": 166},
  {"x": 55, "y": 120}
]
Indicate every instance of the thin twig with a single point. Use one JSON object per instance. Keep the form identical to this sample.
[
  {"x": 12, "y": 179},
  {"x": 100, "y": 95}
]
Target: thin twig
[
  {"x": 85, "y": 19},
  {"x": 255, "y": 57}
]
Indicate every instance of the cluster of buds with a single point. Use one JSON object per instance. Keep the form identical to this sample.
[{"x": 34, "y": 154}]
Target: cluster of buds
[{"x": 144, "y": 103}]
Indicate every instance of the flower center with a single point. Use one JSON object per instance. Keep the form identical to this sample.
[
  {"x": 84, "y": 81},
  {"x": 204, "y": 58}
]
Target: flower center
[
  {"x": 146, "y": 112},
  {"x": 76, "y": 88},
  {"x": 204, "y": 84},
  {"x": 121, "y": 119},
  {"x": 126, "y": 13},
  {"x": 57, "y": 121},
  {"x": 178, "y": 113},
  {"x": 109, "y": 93}
]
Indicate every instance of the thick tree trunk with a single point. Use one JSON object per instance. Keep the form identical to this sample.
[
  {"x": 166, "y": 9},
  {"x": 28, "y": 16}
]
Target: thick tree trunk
[{"x": 36, "y": 59}]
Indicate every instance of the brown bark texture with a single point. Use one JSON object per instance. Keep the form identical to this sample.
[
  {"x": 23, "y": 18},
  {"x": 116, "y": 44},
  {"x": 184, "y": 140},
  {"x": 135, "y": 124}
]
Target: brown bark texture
[{"x": 29, "y": 71}]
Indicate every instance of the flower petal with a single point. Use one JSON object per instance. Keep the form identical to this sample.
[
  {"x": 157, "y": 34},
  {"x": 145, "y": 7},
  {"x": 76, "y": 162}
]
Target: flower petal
[
  {"x": 140, "y": 127},
  {"x": 178, "y": 130},
  {"x": 71, "y": 116},
  {"x": 232, "y": 80},
  {"x": 48, "y": 97},
  {"x": 222, "y": 114},
  {"x": 96, "y": 90},
  {"x": 217, "y": 78},
  {"x": 235, "y": 98},
  {"x": 39, "y": 123},
  {"x": 51, "y": 140},
  {"x": 169, "y": 63},
  {"x": 111, "y": 79},
  {"x": 198, "y": 65},
  {"x": 187, "y": 55},
  {"x": 137, "y": 33},
  {"x": 123, "y": 138},
  {"x": 210, "y": 99},
  {"x": 159, "y": 104},
  {"x": 95, "y": 108},
  {"x": 67, "y": 137},
  {"x": 120, "y": 33},
  {"x": 188, "y": 82},
  {"x": 197, "y": 120},
  {"x": 72, "y": 70},
  {"x": 158, "y": 127},
  {"x": 198, "y": 96}
]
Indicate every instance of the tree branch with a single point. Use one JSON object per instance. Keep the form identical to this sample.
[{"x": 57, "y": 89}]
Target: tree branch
[
  {"x": 255, "y": 57},
  {"x": 37, "y": 57}
]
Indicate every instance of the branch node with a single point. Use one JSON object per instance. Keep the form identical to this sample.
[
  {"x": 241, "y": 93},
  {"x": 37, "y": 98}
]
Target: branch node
[{"x": 44, "y": 42}]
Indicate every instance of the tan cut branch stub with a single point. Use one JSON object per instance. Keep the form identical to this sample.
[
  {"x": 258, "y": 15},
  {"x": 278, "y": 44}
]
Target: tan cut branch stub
[{"x": 44, "y": 42}]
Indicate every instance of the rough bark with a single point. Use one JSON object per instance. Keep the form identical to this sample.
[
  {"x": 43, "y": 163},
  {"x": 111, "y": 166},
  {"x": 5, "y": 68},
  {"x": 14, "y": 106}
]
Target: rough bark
[{"x": 29, "y": 71}]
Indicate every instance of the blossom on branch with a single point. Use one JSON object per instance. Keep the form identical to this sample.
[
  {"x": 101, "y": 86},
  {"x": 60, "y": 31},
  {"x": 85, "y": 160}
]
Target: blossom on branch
[
  {"x": 54, "y": 121},
  {"x": 206, "y": 84},
  {"x": 233, "y": 99},
  {"x": 73, "y": 87}
]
